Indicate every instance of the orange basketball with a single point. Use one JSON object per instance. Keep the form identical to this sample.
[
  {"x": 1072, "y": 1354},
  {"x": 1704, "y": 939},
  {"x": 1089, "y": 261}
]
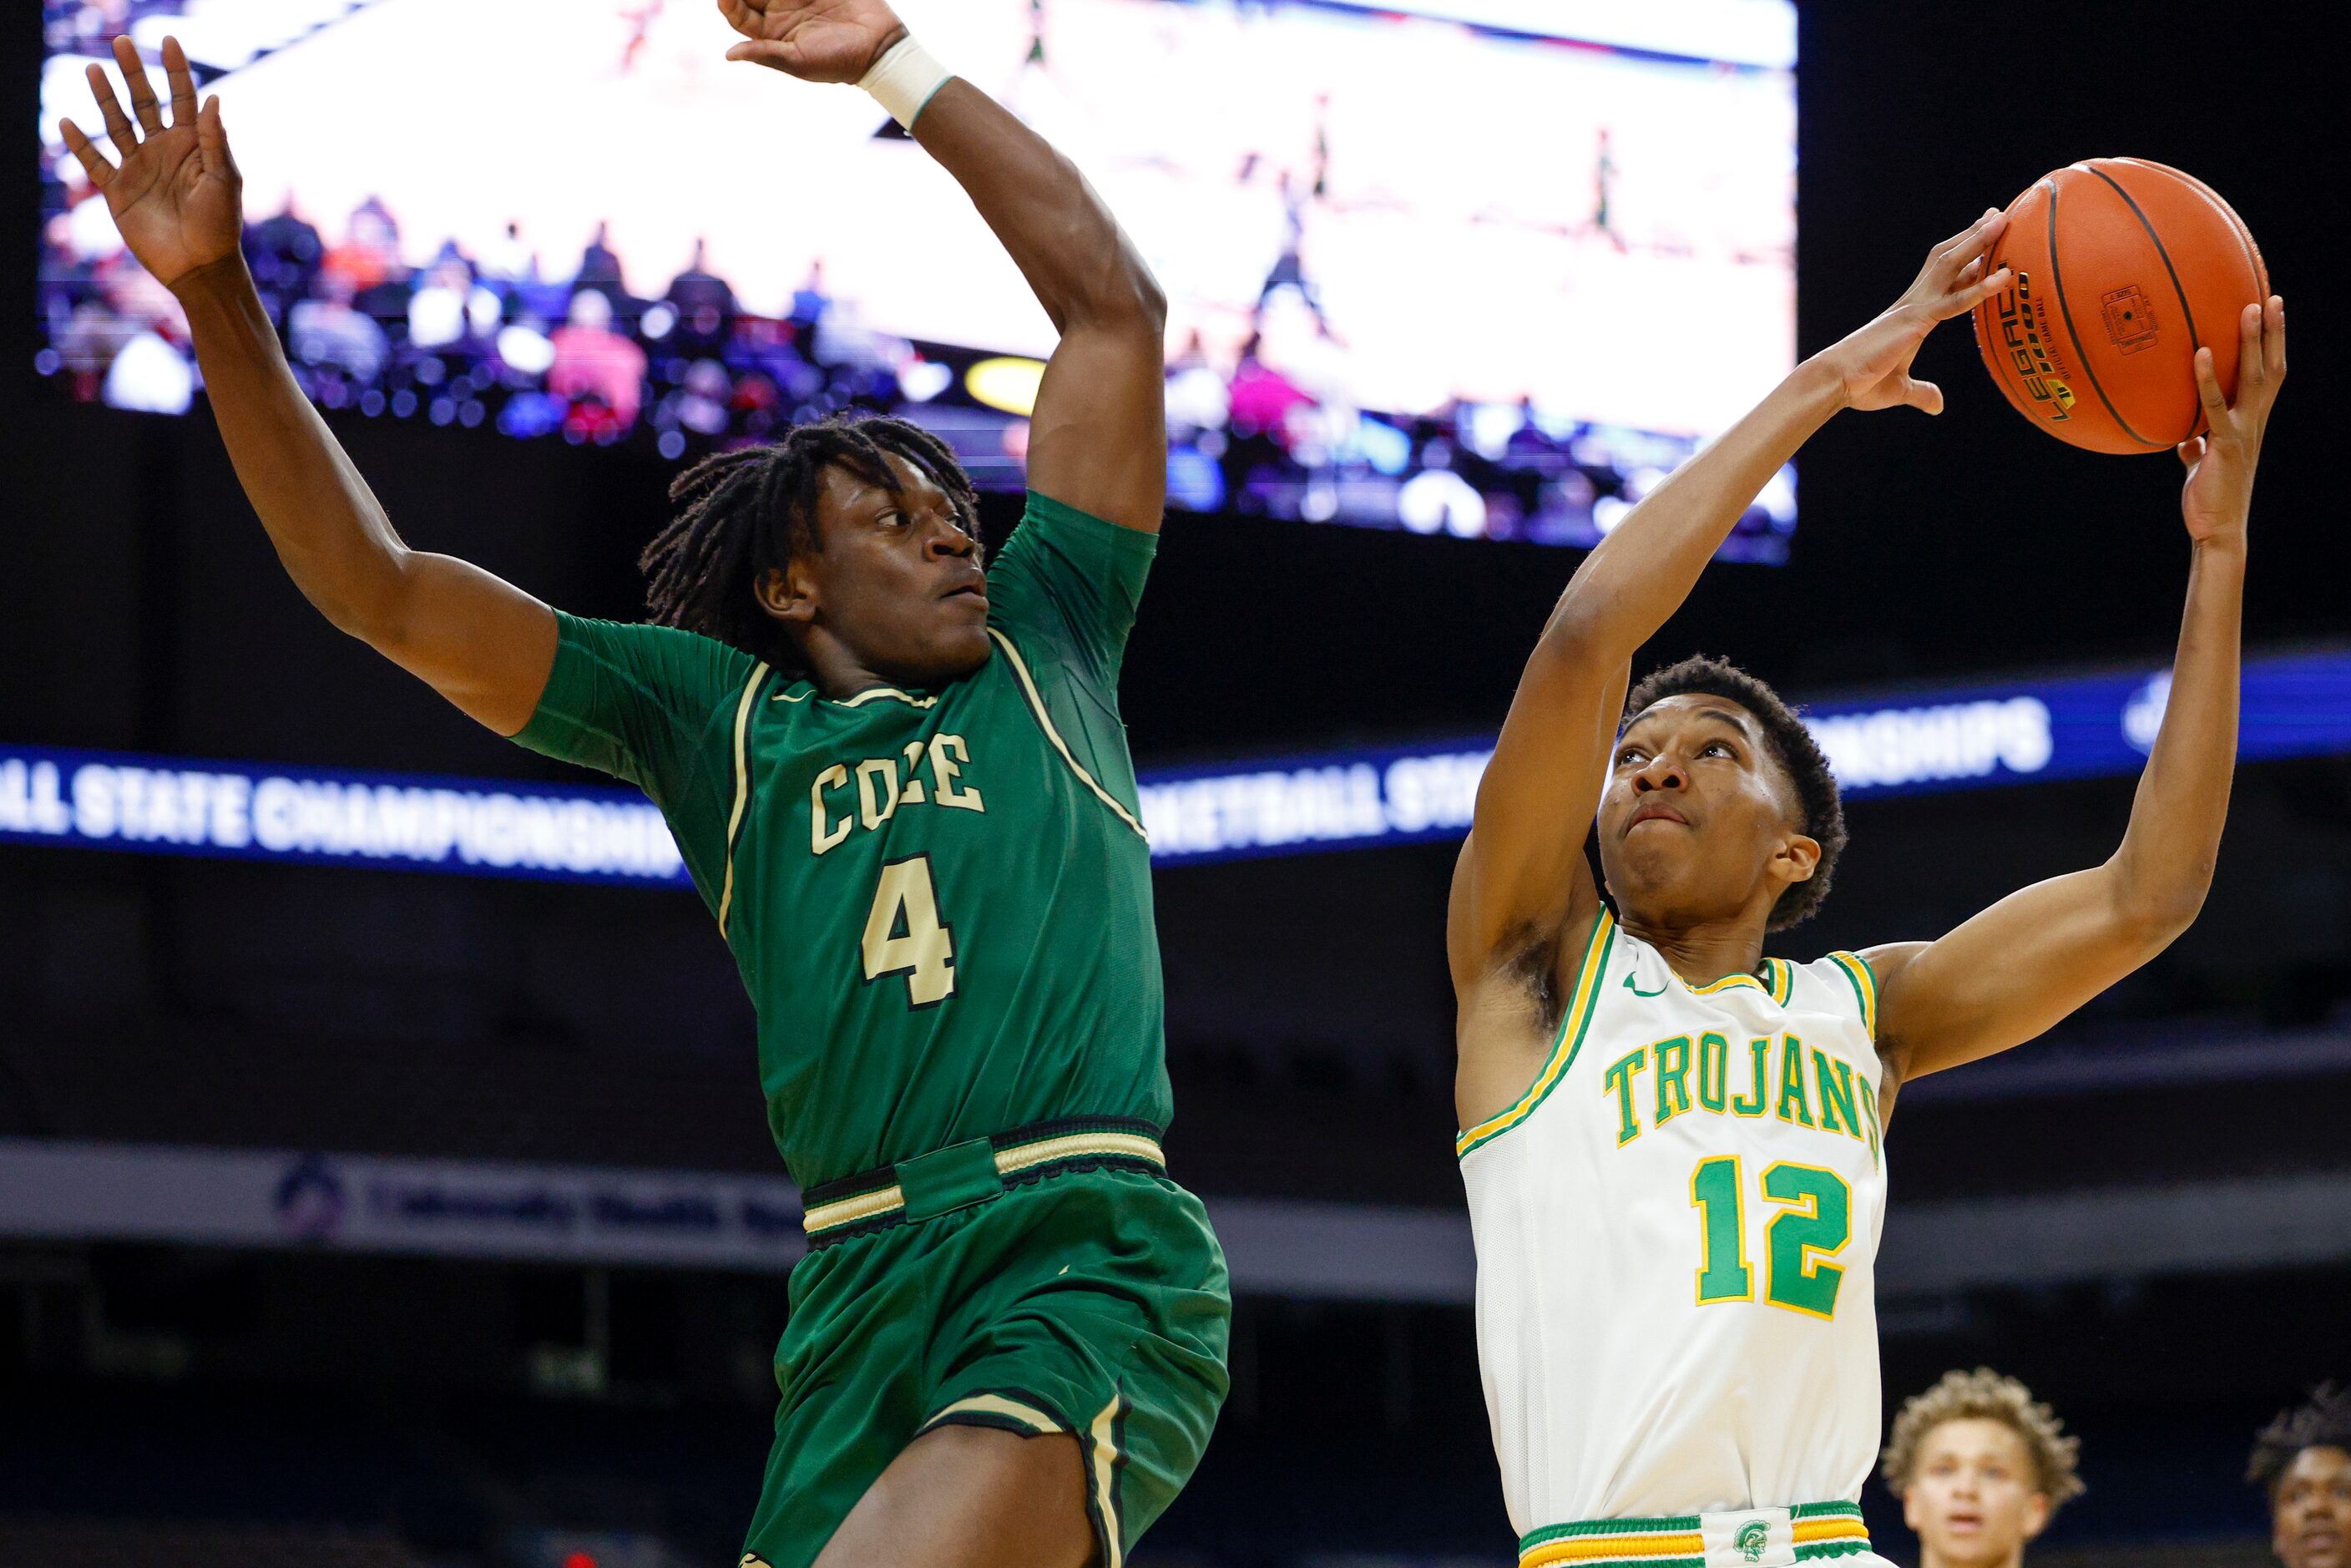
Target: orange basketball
[{"x": 2124, "y": 269}]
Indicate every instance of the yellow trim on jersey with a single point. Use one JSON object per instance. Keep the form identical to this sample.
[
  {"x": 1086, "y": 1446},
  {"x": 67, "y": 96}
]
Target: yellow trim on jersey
[
  {"x": 1606, "y": 1547},
  {"x": 742, "y": 789},
  {"x": 1045, "y": 720},
  {"x": 1580, "y": 1009},
  {"x": 861, "y": 698},
  {"x": 1778, "y": 987},
  {"x": 1723, "y": 984},
  {"x": 1648, "y": 1545},
  {"x": 1864, "y": 987},
  {"x": 1104, "y": 1471},
  {"x": 1028, "y": 1416}
]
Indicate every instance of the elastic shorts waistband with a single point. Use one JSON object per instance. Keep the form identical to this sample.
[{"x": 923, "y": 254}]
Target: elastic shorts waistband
[
  {"x": 1746, "y": 1538},
  {"x": 975, "y": 1171}
]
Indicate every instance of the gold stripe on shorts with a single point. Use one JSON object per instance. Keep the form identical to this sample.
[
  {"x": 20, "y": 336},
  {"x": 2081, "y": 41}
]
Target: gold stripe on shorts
[{"x": 884, "y": 1202}]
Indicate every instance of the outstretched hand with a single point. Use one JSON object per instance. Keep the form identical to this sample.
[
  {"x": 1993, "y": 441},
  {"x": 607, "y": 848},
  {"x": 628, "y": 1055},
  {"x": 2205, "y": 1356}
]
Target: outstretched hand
[
  {"x": 815, "y": 40},
  {"x": 2219, "y": 494},
  {"x": 1874, "y": 364},
  {"x": 176, "y": 196}
]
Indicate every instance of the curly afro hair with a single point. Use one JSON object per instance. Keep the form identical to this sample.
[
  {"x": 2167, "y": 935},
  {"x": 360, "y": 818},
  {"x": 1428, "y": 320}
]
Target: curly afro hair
[
  {"x": 1984, "y": 1395},
  {"x": 2325, "y": 1422},
  {"x": 1792, "y": 746}
]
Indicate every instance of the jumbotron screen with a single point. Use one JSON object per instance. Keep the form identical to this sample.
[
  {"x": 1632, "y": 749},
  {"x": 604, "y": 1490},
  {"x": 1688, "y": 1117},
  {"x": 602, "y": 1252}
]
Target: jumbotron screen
[{"x": 1487, "y": 267}]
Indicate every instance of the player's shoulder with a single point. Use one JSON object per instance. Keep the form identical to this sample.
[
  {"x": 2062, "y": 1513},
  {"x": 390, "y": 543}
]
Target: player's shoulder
[
  {"x": 649, "y": 650},
  {"x": 687, "y": 677},
  {"x": 1054, "y": 537},
  {"x": 1846, "y": 982}
]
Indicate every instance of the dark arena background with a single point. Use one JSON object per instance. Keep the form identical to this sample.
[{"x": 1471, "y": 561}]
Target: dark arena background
[{"x": 352, "y": 1213}]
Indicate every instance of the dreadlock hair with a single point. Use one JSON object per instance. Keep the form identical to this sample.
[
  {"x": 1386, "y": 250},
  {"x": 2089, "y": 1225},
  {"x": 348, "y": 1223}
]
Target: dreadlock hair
[
  {"x": 2325, "y": 1422},
  {"x": 743, "y": 514},
  {"x": 1791, "y": 744},
  {"x": 1984, "y": 1395}
]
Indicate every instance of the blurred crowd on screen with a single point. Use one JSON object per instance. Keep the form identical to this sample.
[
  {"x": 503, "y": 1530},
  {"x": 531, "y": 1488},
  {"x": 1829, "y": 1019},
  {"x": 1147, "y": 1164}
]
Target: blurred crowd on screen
[{"x": 534, "y": 344}]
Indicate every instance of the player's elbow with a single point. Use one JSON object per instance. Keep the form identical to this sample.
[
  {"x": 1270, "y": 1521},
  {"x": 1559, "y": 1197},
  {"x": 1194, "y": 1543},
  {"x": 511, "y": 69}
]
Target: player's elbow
[
  {"x": 1109, "y": 286},
  {"x": 2151, "y": 913},
  {"x": 1125, "y": 297},
  {"x": 375, "y": 610},
  {"x": 1576, "y": 640}
]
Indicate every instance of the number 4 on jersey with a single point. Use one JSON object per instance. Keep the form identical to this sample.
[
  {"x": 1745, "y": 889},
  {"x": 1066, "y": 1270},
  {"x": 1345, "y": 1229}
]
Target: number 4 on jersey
[{"x": 903, "y": 935}]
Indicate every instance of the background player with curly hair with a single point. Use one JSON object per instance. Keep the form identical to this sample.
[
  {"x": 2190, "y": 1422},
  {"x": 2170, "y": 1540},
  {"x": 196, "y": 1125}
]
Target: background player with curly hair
[
  {"x": 1980, "y": 1467},
  {"x": 2303, "y": 1459}
]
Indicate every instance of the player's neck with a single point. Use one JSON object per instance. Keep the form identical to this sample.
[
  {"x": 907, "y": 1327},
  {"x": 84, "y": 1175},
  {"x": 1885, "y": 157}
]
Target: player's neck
[
  {"x": 1929, "y": 1558},
  {"x": 840, "y": 674},
  {"x": 1704, "y": 952}
]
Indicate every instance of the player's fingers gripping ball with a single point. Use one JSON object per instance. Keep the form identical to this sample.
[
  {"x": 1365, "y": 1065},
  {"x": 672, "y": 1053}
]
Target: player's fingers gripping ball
[{"x": 2123, "y": 268}]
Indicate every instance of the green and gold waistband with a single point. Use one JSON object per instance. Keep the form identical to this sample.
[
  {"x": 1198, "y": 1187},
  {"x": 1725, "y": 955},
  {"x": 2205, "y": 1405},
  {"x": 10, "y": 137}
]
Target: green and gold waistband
[
  {"x": 974, "y": 1172},
  {"x": 1749, "y": 1538}
]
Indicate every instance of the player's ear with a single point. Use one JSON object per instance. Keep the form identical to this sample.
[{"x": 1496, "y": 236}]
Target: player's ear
[
  {"x": 2036, "y": 1514},
  {"x": 1910, "y": 1507},
  {"x": 788, "y": 592},
  {"x": 1797, "y": 858}
]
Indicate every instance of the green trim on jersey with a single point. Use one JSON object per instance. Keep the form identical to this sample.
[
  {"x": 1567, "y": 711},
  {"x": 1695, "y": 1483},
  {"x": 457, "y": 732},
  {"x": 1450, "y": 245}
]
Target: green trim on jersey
[
  {"x": 1821, "y": 1530},
  {"x": 1863, "y": 981},
  {"x": 1572, "y": 1027}
]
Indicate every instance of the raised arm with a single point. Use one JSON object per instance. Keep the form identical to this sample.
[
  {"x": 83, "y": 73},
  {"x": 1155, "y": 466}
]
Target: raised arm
[
  {"x": 1522, "y": 881},
  {"x": 2012, "y": 971},
  {"x": 1098, "y": 435},
  {"x": 482, "y": 644}
]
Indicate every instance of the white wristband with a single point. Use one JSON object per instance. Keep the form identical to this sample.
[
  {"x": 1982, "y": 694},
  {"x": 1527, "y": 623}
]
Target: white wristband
[{"x": 903, "y": 80}]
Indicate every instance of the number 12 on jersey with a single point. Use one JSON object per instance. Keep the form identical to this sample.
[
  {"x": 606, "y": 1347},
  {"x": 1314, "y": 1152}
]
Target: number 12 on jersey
[
  {"x": 1814, "y": 1222},
  {"x": 904, "y": 934}
]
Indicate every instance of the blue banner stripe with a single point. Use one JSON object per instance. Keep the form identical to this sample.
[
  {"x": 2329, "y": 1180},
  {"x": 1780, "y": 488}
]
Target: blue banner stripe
[{"x": 1973, "y": 738}]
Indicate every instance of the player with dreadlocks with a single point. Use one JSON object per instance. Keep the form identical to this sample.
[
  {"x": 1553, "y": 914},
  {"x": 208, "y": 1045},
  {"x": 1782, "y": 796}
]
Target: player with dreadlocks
[
  {"x": 1673, "y": 1143},
  {"x": 901, "y": 784},
  {"x": 2302, "y": 1460}
]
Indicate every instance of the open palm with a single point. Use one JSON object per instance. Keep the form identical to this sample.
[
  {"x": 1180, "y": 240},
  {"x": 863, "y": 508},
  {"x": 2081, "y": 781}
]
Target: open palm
[
  {"x": 815, "y": 40},
  {"x": 177, "y": 195}
]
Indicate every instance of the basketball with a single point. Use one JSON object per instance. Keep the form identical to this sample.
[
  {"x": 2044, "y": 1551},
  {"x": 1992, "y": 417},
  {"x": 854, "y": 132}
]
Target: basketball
[{"x": 2124, "y": 269}]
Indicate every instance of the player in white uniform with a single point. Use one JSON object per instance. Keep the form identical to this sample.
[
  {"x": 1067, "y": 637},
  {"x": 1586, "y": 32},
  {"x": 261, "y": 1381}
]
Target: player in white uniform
[{"x": 1672, "y": 1144}]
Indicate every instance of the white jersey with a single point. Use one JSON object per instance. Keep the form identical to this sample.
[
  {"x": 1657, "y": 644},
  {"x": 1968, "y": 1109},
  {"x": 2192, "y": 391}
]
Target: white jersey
[{"x": 1676, "y": 1227}]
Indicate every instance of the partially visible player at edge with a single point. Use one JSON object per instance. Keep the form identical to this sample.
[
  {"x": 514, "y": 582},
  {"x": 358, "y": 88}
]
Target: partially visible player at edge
[
  {"x": 901, "y": 784},
  {"x": 1671, "y": 1142}
]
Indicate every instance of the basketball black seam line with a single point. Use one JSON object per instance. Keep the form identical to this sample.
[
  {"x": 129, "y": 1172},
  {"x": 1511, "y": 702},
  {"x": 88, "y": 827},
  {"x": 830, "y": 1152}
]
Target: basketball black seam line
[
  {"x": 2229, "y": 215},
  {"x": 2173, "y": 273},
  {"x": 2082, "y": 355}
]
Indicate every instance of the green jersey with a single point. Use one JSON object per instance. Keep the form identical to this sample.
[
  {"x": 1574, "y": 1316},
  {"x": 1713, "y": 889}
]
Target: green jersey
[{"x": 940, "y": 901}]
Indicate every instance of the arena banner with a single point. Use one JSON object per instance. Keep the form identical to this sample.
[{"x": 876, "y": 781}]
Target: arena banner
[
  {"x": 72, "y": 1191},
  {"x": 364, "y": 1203},
  {"x": 1976, "y": 736},
  {"x": 280, "y": 1199}
]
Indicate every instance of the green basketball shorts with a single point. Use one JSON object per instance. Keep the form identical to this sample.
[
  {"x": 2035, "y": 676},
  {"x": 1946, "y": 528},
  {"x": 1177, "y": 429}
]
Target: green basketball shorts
[{"x": 1051, "y": 1279}]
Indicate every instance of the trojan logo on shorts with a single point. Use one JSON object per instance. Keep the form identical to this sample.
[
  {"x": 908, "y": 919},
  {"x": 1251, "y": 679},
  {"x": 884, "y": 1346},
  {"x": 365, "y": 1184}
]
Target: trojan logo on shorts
[
  {"x": 1754, "y": 1536},
  {"x": 2024, "y": 333},
  {"x": 2130, "y": 319}
]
